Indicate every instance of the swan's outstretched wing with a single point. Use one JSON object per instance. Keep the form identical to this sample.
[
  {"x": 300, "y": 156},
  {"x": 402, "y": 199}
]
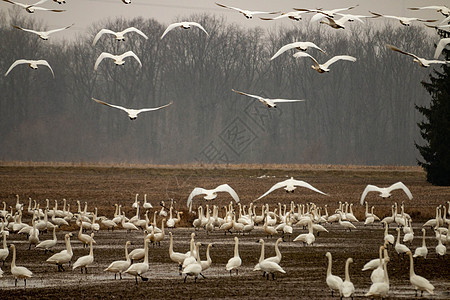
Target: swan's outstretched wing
[
  {"x": 296, "y": 45},
  {"x": 101, "y": 57},
  {"x": 344, "y": 8},
  {"x": 230, "y": 7},
  {"x": 111, "y": 105},
  {"x": 250, "y": 95},
  {"x": 27, "y": 30},
  {"x": 337, "y": 58},
  {"x": 45, "y": 63},
  {"x": 131, "y": 53},
  {"x": 170, "y": 27},
  {"x": 369, "y": 188},
  {"x": 427, "y": 7},
  {"x": 401, "y": 185},
  {"x": 199, "y": 26},
  {"x": 306, "y": 185},
  {"x": 47, "y": 9},
  {"x": 39, "y": 2},
  {"x": 304, "y": 54},
  {"x": 152, "y": 109},
  {"x": 134, "y": 29},
  {"x": 17, "y": 3},
  {"x": 58, "y": 29},
  {"x": 196, "y": 191},
  {"x": 393, "y": 48},
  {"x": 377, "y": 15},
  {"x": 100, "y": 33},
  {"x": 440, "y": 46},
  {"x": 274, "y": 187},
  {"x": 228, "y": 189},
  {"x": 17, "y": 62},
  {"x": 285, "y": 100}
]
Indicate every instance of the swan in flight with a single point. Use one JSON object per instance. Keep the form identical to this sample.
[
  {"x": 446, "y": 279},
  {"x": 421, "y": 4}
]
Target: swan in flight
[
  {"x": 212, "y": 194},
  {"x": 440, "y": 46},
  {"x": 290, "y": 185},
  {"x": 441, "y": 9},
  {"x": 322, "y": 68},
  {"x": 118, "y": 59},
  {"x": 421, "y": 61},
  {"x": 403, "y": 20},
  {"x": 43, "y": 34},
  {"x": 184, "y": 25},
  {"x": 31, "y": 63},
  {"x": 302, "y": 46},
  {"x": 322, "y": 13},
  {"x": 118, "y": 34},
  {"x": 385, "y": 192},
  {"x": 247, "y": 13},
  {"x": 33, "y": 7},
  {"x": 132, "y": 113},
  {"x": 293, "y": 15},
  {"x": 336, "y": 24},
  {"x": 270, "y": 103}
]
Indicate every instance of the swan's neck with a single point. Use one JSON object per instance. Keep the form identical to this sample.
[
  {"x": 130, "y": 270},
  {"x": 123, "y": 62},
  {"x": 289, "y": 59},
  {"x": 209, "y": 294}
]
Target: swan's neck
[
  {"x": 208, "y": 258},
  {"x": 13, "y": 262},
  {"x": 171, "y": 245},
  {"x": 69, "y": 246},
  {"x": 411, "y": 265},
  {"x": 126, "y": 252},
  {"x": 398, "y": 237},
  {"x": 4, "y": 241},
  {"x": 261, "y": 258},
  {"x": 347, "y": 275},
  {"x": 236, "y": 249},
  {"x": 146, "y": 252},
  {"x": 91, "y": 250},
  {"x": 329, "y": 266},
  {"x": 277, "y": 251},
  {"x": 54, "y": 233}
]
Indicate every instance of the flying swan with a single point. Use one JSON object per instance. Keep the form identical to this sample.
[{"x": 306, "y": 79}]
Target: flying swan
[
  {"x": 270, "y": 103},
  {"x": 302, "y": 46},
  {"x": 31, "y": 63},
  {"x": 33, "y": 7},
  {"x": 118, "y": 59},
  {"x": 212, "y": 194},
  {"x": 290, "y": 185},
  {"x": 184, "y": 25},
  {"x": 118, "y": 34},
  {"x": 385, "y": 192},
  {"x": 43, "y": 34},
  {"x": 132, "y": 113},
  {"x": 247, "y": 13},
  {"x": 322, "y": 68}
]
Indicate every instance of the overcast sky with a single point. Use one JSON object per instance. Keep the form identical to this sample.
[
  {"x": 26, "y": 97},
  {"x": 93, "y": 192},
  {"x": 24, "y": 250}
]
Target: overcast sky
[{"x": 85, "y": 12}]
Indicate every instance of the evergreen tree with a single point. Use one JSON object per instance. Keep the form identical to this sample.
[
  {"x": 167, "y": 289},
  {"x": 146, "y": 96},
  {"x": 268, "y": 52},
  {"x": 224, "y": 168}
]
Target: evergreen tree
[{"x": 435, "y": 129}]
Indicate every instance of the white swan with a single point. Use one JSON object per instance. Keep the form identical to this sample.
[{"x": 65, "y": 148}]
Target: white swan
[
  {"x": 421, "y": 61},
  {"x": 290, "y": 185},
  {"x": 146, "y": 205},
  {"x": 321, "y": 13},
  {"x": 440, "y": 46},
  {"x": 19, "y": 272},
  {"x": 138, "y": 253},
  {"x": 43, "y": 34},
  {"x": 184, "y": 25},
  {"x": 212, "y": 194},
  {"x": 64, "y": 256},
  {"x": 120, "y": 266},
  {"x": 140, "y": 268},
  {"x": 347, "y": 287},
  {"x": 270, "y": 103},
  {"x": 132, "y": 113},
  {"x": 419, "y": 282},
  {"x": 47, "y": 244},
  {"x": 380, "y": 288},
  {"x": 120, "y": 35},
  {"x": 118, "y": 59},
  {"x": 85, "y": 261},
  {"x": 247, "y": 13},
  {"x": 84, "y": 238},
  {"x": 33, "y": 238},
  {"x": 334, "y": 282},
  {"x": 235, "y": 262},
  {"x": 378, "y": 273},
  {"x": 5, "y": 251},
  {"x": 399, "y": 247},
  {"x": 441, "y": 250},
  {"x": 403, "y": 20},
  {"x": 444, "y": 10},
  {"x": 267, "y": 266},
  {"x": 177, "y": 257},
  {"x": 31, "y": 8},
  {"x": 301, "y": 46},
  {"x": 307, "y": 238},
  {"x": 195, "y": 268},
  {"x": 206, "y": 264},
  {"x": 293, "y": 15},
  {"x": 322, "y": 68},
  {"x": 31, "y": 63},
  {"x": 423, "y": 250},
  {"x": 385, "y": 192},
  {"x": 337, "y": 24},
  {"x": 128, "y": 225}
]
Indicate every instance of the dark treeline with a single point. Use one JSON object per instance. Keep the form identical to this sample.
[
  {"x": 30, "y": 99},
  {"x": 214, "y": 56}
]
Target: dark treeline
[{"x": 359, "y": 113}]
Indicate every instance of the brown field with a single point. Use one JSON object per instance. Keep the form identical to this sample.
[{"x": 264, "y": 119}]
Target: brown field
[{"x": 102, "y": 186}]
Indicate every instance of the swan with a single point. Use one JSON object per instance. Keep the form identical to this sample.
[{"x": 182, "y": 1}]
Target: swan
[
  {"x": 195, "y": 268},
  {"x": 128, "y": 225},
  {"x": 138, "y": 253},
  {"x": 334, "y": 282},
  {"x": 267, "y": 266},
  {"x": 345, "y": 224},
  {"x": 118, "y": 59},
  {"x": 380, "y": 288},
  {"x": 192, "y": 253},
  {"x": 441, "y": 250},
  {"x": 293, "y": 15},
  {"x": 378, "y": 273},
  {"x": 31, "y": 63},
  {"x": 84, "y": 238},
  {"x": 47, "y": 244},
  {"x": 109, "y": 224},
  {"x": 234, "y": 262},
  {"x": 59, "y": 221},
  {"x": 132, "y": 113},
  {"x": 247, "y": 13},
  {"x": 403, "y": 20},
  {"x": 119, "y": 35},
  {"x": 290, "y": 185},
  {"x": 140, "y": 268},
  {"x": 5, "y": 251},
  {"x": 444, "y": 10},
  {"x": 385, "y": 192},
  {"x": 320, "y": 13},
  {"x": 422, "y": 251},
  {"x": 63, "y": 256},
  {"x": 33, "y": 238},
  {"x": 409, "y": 235},
  {"x": 375, "y": 263},
  {"x": 270, "y": 103},
  {"x": 400, "y": 248},
  {"x": 135, "y": 203},
  {"x": 270, "y": 231},
  {"x": 177, "y": 257},
  {"x": 347, "y": 288},
  {"x": 206, "y": 264},
  {"x": 120, "y": 266},
  {"x": 301, "y": 46},
  {"x": 421, "y": 61},
  {"x": 85, "y": 261},
  {"x": 184, "y": 25},
  {"x": 43, "y": 34},
  {"x": 146, "y": 205},
  {"x": 211, "y": 194},
  {"x": 171, "y": 221},
  {"x": 31, "y": 8},
  {"x": 126, "y": 1},
  {"x": 19, "y": 272},
  {"x": 440, "y": 46},
  {"x": 158, "y": 237},
  {"x": 337, "y": 24},
  {"x": 419, "y": 282}
]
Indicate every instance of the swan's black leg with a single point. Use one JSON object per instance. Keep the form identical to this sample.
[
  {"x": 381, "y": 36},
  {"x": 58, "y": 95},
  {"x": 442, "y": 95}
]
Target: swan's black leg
[
  {"x": 203, "y": 275},
  {"x": 185, "y": 277}
]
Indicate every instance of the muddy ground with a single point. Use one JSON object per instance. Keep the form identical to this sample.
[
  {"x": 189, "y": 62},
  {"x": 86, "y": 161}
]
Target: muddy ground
[{"x": 305, "y": 267}]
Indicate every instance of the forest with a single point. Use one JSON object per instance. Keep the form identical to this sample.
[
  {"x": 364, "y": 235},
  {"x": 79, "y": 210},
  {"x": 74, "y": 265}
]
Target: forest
[{"x": 360, "y": 112}]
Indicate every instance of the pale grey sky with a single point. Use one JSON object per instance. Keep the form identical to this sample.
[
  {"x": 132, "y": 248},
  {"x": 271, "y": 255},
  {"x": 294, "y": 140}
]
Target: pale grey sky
[{"x": 85, "y": 12}]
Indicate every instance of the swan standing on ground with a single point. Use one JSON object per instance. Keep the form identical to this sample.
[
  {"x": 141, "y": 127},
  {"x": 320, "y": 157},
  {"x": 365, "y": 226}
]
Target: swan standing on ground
[
  {"x": 195, "y": 268},
  {"x": 47, "y": 244},
  {"x": 5, "y": 251},
  {"x": 268, "y": 266},
  {"x": 64, "y": 256},
  {"x": 118, "y": 59},
  {"x": 399, "y": 247},
  {"x": 31, "y": 63},
  {"x": 211, "y": 194},
  {"x": 290, "y": 185},
  {"x": 120, "y": 35},
  {"x": 347, "y": 287},
  {"x": 270, "y": 103},
  {"x": 378, "y": 273},
  {"x": 177, "y": 257},
  {"x": 247, "y": 13},
  {"x": 419, "y": 282},
  {"x": 140, "y": 268},
  {"x": 120, "y": 266},
  {"x": 184, "y": 25},
  {"x": 334, "y": 282},
  {"x": 301, "y": 46},
  {"x": 84, "y": 238},
  {"x": 441, "y": 250},
  {"x": 322, "y": 68},
  {"x": 422, "y": 251},
  {"x": 385, "y": 192},
  {"x": 19, "y": 272},
  {"x": 32, "y": 7},
  {"x": 234, "y": 262},
  {"x": 132, "y": 113},
  {"x": 421, "y": 61},
  {"x": 43, "y": 34},
  {"x": 380, "y": 288},
  {"x": 85, "y": 261},
  {"x": 206, "y": 264}
]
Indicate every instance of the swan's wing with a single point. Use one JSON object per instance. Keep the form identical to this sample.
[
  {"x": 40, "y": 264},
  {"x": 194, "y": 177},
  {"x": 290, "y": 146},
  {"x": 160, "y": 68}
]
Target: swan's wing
[
  {"x": 393, "y": 48},
  {"x": 111, "y": 105},
  {"x": 101, "y": 57},
  {"x": 39, "y": 2},
  {"x": 344, "y": 9},
  {"x": 228, "y": 189},
  {"x": 306, "y": 185},
  {"x": 17, "y": 3},
  {"x": 353, "y": 17},
  {"x": 426, "y": 20},
  {"x": 199, "y": 26},
  {"x": 426, "y": 7},
  {"x": 130, "y": 29},
  {"x": 304, "y": 54},
  {"x": 195, "y": 192},
  {"x": 401, "y": 185},
  {"x": 445, "y": 21},
  {"x": 438, "y": 61},
  {"x": 17, "y": 62},
  {"x": 47, "y": 9},
  {"x": 250, "y": 95},
  {"x": 440, "y": 46},
  {"x": 131, "y": 53},
  {"x": 319, "y": 15},
  {"x": 337, "y": 58},
  {"x": 285, "y": 48},
  {"x": 230, "y": 7},
  {"x": 152, "y": 109},
  {"x": 100, "y": 33},
  {"x": 45, "y": 63},
  {"x": 311, "y": 45},
  {"x": 285, "y": 100},
  {"x": 274, "y": 187},
  {"x": 169, "y": 28},
  {"x": 385, "y": 16},
  {"x": 59, "y": 29},
  {"x": 369, "y": 188},
  {"x": 27, "y": 30}
]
